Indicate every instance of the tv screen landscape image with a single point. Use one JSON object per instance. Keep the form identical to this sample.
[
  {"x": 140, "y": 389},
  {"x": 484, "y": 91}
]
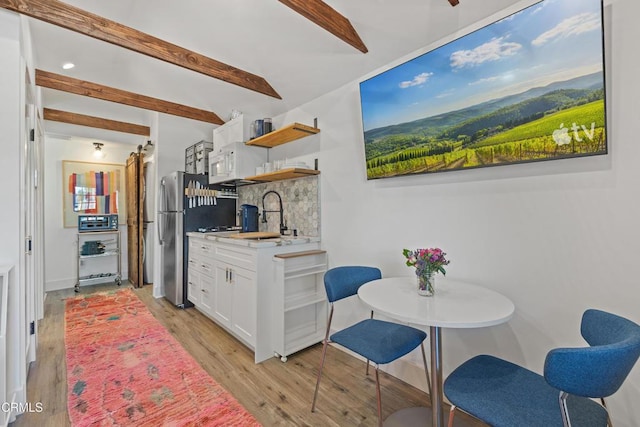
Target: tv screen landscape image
[{"x": 529, "y": 87}]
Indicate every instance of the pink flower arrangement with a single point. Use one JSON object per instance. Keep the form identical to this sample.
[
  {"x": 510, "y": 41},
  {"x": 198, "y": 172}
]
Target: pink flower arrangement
[{"x": 426, "y": 260}]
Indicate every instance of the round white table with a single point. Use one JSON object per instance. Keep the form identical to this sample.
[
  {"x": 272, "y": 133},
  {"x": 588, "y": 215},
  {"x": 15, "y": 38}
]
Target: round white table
[{"x": 454, "y": 305}]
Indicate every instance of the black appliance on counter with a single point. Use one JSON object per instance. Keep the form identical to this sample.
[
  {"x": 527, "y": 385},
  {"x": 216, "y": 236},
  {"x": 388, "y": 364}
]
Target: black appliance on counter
[
  {"x": 90, "y": 223},
  {"x": 187, "y": 204},
  {"x": 249, "y": 218}
]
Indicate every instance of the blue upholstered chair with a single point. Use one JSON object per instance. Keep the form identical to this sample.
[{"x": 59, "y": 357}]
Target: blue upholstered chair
[
  {"x": 503, "y": 394},
  {"x": 378, "y": 341}
]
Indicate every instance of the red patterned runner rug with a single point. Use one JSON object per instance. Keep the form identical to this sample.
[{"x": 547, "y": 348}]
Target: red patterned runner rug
[{"x": 125, "y": 369}]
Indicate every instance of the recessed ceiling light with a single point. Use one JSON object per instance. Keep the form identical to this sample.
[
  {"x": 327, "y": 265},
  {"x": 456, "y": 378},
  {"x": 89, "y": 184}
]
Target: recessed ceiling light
[{"x": 68, "y": 65}]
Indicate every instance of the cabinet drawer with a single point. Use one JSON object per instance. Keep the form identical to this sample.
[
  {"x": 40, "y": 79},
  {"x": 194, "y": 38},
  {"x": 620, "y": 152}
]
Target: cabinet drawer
[
  {"x": 206, "y": 267},
  {"x": 193, "y": 287},
  {"x": 200, "y": 248},
  {"x": 237, "y": 255},
  {"x": 193, "y": 262},
  {"x": 201, "y": 265}
]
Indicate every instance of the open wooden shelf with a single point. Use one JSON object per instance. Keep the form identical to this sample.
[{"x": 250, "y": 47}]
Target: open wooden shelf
[
  {"x": 284, "y": 135},
  {"x": 281, "y": 174}
]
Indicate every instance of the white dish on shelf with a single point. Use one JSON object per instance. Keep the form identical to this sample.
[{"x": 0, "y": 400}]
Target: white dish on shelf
[{"x": 298, "y": 165}]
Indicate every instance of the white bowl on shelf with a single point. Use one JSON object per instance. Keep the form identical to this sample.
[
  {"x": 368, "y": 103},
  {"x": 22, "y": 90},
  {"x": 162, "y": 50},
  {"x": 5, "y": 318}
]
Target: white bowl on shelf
[{"x": 297, "y": 165}]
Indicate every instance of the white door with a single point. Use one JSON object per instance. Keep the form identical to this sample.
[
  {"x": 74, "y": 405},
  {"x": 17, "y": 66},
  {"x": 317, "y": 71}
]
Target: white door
[
  {"x": 38, "y": 212},
  {"x": 28, "y": 221}
]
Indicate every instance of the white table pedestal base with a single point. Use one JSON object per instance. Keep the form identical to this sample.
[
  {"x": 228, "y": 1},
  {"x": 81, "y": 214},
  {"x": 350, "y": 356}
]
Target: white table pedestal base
[{"x": 419, "y": 417}]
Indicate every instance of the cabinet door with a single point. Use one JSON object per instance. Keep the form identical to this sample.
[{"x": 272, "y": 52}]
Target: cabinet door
[
  {"x": 243, "y": 282},
  {"x": 193, "y": 287},
  {"x": 220, "y": 137},
  {"x": 207, "y": 290},
  {"x": 223, "y": 294},
  {"x": 235, "y": 131}
]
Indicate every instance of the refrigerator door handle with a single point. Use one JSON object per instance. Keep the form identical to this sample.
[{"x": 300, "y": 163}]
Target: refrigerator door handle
[
  {"x": 163, "y": 196},
  {"x": 160, "y": 230}
]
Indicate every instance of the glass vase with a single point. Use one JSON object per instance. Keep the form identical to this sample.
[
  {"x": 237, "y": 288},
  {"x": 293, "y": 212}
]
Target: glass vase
[{"x": 426, "y": 283}]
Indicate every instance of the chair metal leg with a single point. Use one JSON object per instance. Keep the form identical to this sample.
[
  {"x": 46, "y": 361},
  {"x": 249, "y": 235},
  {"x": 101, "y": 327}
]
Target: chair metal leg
[
  {"x": 367, "y": 373},
  {"x": 325, "y": 344},
  {"x": 564, "y": 409},
  {"x": 452, "y": 412},
  {"x": 315, "y": 394},
  {"x": 378, "y": 398},
  {"x": 426, "y": 368},
  {"x": 566, "y": 421},
  {"x": 604, "y": 405}
]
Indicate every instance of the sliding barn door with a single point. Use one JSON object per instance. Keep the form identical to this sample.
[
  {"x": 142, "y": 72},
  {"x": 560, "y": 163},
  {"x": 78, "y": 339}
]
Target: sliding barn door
[{"x": 135, "y": 184}]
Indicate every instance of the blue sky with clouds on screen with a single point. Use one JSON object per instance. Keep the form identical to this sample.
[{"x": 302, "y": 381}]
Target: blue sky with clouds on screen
[{"x": 551, "y": 41}]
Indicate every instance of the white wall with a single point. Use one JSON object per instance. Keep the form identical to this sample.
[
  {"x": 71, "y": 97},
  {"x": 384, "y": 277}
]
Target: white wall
[
  {"x": 12, "y": 134},
  {"x": 9, "y": 138},
  {"x": 555, "y": 237},
  {"x": 60, "y": 242}
]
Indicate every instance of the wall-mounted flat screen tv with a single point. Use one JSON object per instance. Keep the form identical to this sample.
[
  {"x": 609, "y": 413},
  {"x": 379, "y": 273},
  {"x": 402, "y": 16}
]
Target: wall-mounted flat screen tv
[{"x": 529, "y": 87}]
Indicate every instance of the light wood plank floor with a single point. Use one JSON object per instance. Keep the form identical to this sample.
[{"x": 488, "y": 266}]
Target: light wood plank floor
[{"x": 276, "y": 393}]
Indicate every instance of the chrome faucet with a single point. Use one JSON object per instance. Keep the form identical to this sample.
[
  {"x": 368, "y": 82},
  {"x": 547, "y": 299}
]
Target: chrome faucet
[{"x": 283, "y": 227}]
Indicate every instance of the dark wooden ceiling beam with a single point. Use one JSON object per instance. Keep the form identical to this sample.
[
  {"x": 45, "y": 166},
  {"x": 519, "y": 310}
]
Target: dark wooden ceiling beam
[
  {"x": 95, "y": 122},
  {"x": 106, "y": 93},
  {"x": 328, "y": 18},
  {"x": 453, "y": 2},
  {"x": 83, "y": 22}
]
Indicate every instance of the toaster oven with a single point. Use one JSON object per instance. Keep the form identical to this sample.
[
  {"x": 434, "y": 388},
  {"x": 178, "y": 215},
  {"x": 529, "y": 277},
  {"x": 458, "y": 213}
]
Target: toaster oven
[{"x": 87, "y": 223}]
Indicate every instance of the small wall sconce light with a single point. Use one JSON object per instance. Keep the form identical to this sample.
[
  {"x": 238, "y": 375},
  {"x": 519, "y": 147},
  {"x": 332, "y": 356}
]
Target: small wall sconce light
[
  {"x": 98, "y": 153},
  {"x": 148, "y": 148}
]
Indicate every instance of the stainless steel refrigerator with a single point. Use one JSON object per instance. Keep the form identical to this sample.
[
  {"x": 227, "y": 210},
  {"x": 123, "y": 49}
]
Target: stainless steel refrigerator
[{"x": 179, "y": 214}]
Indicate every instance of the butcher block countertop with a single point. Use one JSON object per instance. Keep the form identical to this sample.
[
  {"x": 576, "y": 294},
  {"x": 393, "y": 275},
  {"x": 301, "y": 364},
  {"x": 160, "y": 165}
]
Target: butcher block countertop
[
  {"x": 256, "y": 242},
  {"x": 255, "y": 235}
]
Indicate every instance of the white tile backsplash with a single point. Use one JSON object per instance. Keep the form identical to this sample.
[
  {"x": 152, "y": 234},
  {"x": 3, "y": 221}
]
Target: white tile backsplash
[{"x": 300, "y": 201}]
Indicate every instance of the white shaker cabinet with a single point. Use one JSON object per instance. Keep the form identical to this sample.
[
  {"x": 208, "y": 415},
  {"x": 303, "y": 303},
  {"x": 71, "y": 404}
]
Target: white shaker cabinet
[
  {"x": 236, "y": 290},
  {"x": 240, "y": 296},
  {"x": 223, "y": 294},
  {"x": 237, "y": 129},
  {"x": 193, "y": 285},
  {"x": 207, "y": 290},
  {"x": 235, "y": 301},
  {"x": 201, "y": 274},
  {"x": 299, "y": 301}
]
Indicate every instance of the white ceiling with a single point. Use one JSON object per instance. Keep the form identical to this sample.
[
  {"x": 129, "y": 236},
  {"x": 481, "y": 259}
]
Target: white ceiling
[{"x": 299, "y": 59}]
